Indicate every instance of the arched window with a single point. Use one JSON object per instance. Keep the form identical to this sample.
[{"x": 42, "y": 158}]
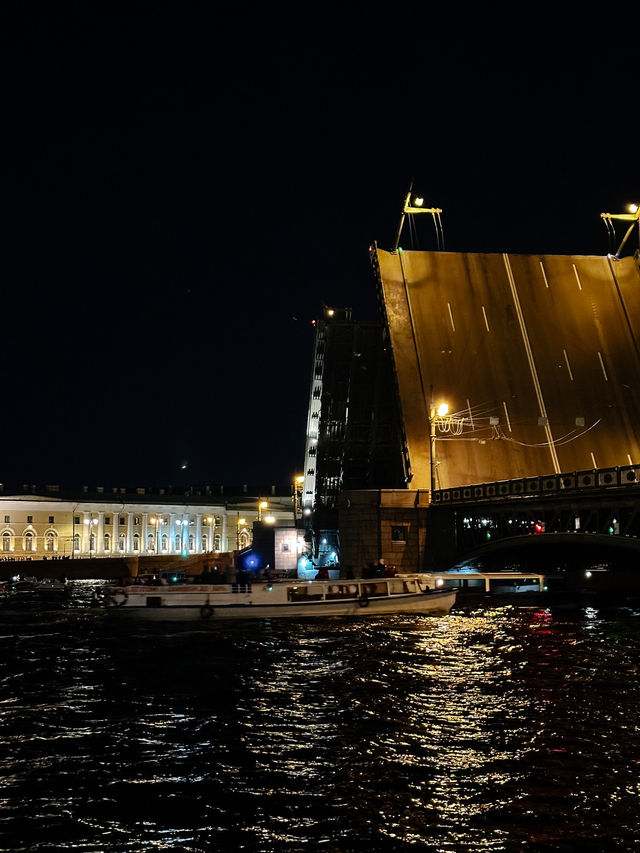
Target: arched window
[
  {"x": 165, "y": 542},
  {"x": 136, "y": 541},
  {"x": 243, "y": 539},
  {"x": 28, "y": 541},
  {"x": 178, "y": 542},
  {"x": 76, "y": 541},
  {"x": 205, "y": 542},
  {"x": 6, "y": 541},
  {"x": 191, "y": 542},
  {"x": 92, "y": 542},
  {"x": 121, "y": 542},
  {"x": 150, "y": 542},
  {"x": 106, "y": 542},
  {"x": 51, "y": 541}
]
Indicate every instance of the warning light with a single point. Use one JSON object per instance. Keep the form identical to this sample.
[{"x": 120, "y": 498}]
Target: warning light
[{"x": 539, "y": 527}]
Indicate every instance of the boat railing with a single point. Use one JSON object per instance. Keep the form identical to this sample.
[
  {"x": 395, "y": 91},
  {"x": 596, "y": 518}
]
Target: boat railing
[{"x": 335, "y": 590}]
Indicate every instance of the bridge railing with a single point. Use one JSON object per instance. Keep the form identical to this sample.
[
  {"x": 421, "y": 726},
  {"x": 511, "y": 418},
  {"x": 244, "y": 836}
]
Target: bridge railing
[{"x": 627, "y": 477}]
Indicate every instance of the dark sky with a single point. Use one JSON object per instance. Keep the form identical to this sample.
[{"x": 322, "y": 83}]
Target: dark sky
[{"x": 185, "y": 185}]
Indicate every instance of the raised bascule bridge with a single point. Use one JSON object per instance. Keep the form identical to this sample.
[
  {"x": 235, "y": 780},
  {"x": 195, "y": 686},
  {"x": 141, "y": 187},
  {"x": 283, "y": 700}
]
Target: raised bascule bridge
[{"x": 518, "y": 378}]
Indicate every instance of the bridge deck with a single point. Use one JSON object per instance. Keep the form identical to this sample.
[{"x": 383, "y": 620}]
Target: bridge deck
[{"x": 537, "y": 357}]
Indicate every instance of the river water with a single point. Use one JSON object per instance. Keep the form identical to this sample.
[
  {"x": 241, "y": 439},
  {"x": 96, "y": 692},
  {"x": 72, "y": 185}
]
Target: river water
[{"x": 496, "y": 727}]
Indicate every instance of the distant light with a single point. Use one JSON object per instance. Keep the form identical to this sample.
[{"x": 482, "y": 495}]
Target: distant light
[
  {"x": 270, "y": 519},
  {"x": 307, "y": 511},
  {"x": 443, "y": 408},
  {"x": 418, "y": 201},
  {"x": 633, "y": 207},
  {"x": 587, "y": 574},
  {"x": 330, "y": 312}
]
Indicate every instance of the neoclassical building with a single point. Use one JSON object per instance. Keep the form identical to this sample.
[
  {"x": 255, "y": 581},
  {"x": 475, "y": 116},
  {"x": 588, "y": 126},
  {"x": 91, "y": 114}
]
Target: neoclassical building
[{"x": 43, "y": 523}]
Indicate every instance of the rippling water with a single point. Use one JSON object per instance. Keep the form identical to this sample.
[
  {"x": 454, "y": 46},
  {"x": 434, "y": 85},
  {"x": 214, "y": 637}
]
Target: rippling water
[{"x": 498, "y": 729}]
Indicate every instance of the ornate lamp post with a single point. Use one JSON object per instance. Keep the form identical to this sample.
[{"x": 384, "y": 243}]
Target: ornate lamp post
[{"x": 434, "y": 413}]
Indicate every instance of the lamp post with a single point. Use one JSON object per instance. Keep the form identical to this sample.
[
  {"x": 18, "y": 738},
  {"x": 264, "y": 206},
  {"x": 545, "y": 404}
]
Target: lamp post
[
  {"x": 158, "y": 522},
  {"x": 241, "y": 522},
  {"x": 633, "y": 216},
  {"x": 183, "y": 523},
  {"x": 434, "y": 413},
  {"x": 415, "y": 204},
  {"x": 297, "y": 494},
  {"x": 211, "y": 521},
  {"x": 91, "y": 522}
]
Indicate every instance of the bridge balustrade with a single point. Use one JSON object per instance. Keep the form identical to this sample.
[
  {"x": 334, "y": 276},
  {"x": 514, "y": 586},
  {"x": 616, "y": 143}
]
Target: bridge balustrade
[{"x": 627, "y": 477}]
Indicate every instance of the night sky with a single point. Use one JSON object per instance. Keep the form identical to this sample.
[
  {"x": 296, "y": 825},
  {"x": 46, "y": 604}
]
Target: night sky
[{"x": 184, "y": 186}]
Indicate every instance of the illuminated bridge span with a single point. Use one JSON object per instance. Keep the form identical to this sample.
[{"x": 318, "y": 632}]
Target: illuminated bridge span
[{"x": 537, "y": 357}]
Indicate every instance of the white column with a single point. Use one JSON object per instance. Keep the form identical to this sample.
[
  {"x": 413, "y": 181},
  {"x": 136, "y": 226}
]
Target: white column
[
  {"x": 224, "y": 545},
  {"x": 143, "y": 546},
  {"x": 86, "y": 533},
  {"x": 99, "y": 531},
  {"x": 128, "y": 542},
  {"x": 198, "y": 540}
]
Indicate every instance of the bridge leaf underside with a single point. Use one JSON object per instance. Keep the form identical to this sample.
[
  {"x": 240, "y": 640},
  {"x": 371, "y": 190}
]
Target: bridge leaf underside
[{"x": 537, "y": 357}]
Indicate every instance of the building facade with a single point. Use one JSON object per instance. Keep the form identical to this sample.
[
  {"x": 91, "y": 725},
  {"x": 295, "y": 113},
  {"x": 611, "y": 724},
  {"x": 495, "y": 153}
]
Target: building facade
[{"x": 37, "y": 526}]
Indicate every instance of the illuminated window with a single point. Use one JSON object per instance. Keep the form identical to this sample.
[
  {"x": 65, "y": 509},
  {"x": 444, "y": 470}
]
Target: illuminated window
[
  {"x": 106, "y": 542},
  {"x": 136, "y": 542},
  {"x": 76, "y": 542},
  {"x": 50, "y": 541},
  {"x": 28, "y": 541},
  {"x": 121, "y": 542},
  {"x": 6, "y": 541}
]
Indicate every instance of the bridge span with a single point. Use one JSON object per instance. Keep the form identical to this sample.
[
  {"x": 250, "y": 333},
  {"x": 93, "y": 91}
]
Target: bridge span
[{"x": 537, "y": 357}]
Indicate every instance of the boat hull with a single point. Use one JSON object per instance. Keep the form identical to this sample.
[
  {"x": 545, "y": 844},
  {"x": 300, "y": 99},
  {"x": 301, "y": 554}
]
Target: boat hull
[{"x": 214, "y": 603}]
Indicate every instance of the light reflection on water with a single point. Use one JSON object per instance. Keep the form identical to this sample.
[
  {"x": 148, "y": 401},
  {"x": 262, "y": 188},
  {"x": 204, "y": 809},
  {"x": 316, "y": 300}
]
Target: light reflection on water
[{"x": 500, "y": 729}]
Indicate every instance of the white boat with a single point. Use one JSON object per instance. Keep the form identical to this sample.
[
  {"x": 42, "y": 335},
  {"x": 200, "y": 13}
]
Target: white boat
[{"x": 160, "y": 599}]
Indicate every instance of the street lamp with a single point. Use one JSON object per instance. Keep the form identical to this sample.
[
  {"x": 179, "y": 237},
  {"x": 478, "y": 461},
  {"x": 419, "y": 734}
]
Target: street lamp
[
  {"x": 91, "y": 522},
  {"x": 184, "y": 535},
  {"x": 211, "y": 521},
  {"x": 415, "y": 204},
  {"x": 297, "y": 496},
  {"x": 158, "y": 522},
  {"x": 632, "y": 216},
  {"x": 241, "y": 523},
  {"x": 434, "y": 413},
  {"x": 261, "y": 506}
]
